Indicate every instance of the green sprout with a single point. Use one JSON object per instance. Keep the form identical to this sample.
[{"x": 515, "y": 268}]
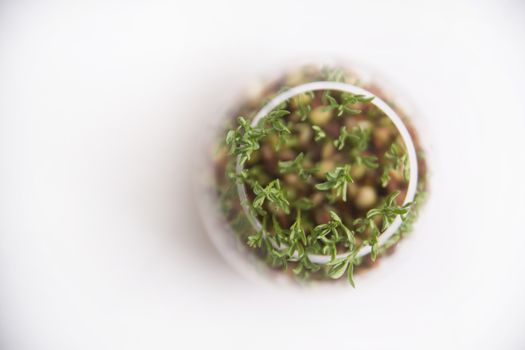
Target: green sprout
[
  {"x": 337, "y": 180},
  {"x": 297, "y": 237},
  {"x": 395, "y": 159},
  {"x": 296, "y": 166},
  {"x": 347, "y": 101},
  {"x": 319, "y": 133},
  {"x": 304, "y": 109},
  {"x": 273, "y": 193},
  {"x": 387, "y": 213},
  {"x": 334, "y": 231},
  {"x": 338, "y": 267},
  {"x": 244, "y": 140},
  {"x": 275, "y": 119}
]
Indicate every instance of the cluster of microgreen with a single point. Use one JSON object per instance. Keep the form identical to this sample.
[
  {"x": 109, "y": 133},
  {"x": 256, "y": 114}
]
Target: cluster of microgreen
[
  {"x": 337, "y": 180},
  {"x": 274, "y": 193},
  {"x": 387, "y": 212},
  {"x": 359, "y": 138},
  {"x": 395, "y": 160},
  {"x": 281, "y": 245},
  {"x": 345, "y": 106},
  {"x": 244, "y": 140},
  {"x": 304, "y": 109},
  {"x": 408, "y": 221},
  {"x": 297, "y": 166},
  {"x": 319, "y": 133}
]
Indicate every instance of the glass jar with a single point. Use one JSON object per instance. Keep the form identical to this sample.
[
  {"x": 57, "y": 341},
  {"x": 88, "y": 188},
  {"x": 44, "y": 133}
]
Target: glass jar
[{"x": 226, "y": 200}]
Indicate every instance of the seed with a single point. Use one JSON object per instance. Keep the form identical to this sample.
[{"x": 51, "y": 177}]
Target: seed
[
  {"x": 321, "y": 216},
  {"x": 352, "y": 190},
  {"x": 393, "y": 184},
  {"x": 273, "y": 140},
  {"x": 292, "y": 179},
  {"x": 299, "y": 100},
  {"x": 396, "y": 175},
  {"x": 327, "y": 150},
  {"x": 365, "y": 124},
  {"x": 358, "y": 171},
  {"x": 324, "y": 167},
  {"x": 291, "y": 193},
  {"x": 255, "y": 157},
  {"x": 317, "y": 198},
  {"x": 284, "y": 220},
  {"x": 305, "y": 134},
  {"x": 385, "y": 121},
  {"x": 267, "y": 152},
  {"x": 381, "y": 137},
  {"x": 263, "y": 178},
  {"x": 402, "y": 196},
  {"x": 308, "y": 163},
  {"x": 366, "y": 197},
  {"x": 347, "y": 216},
  {"x": 320, "y": 116},
  {"x": 286, "y": 154},
  {"x": 332, "y": 128}
]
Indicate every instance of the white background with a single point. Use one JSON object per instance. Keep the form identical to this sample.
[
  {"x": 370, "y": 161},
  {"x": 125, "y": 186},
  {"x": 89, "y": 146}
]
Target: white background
[{"x": 100, "y": 243}]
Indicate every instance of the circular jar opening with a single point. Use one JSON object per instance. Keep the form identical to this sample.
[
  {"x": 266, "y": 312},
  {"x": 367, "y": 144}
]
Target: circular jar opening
[
  {"x": 323, "y": 174},
  {"x": 326, "y": 86}
]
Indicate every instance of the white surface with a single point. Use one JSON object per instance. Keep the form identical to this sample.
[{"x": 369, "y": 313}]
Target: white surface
[{"x": 100, "y": 246}]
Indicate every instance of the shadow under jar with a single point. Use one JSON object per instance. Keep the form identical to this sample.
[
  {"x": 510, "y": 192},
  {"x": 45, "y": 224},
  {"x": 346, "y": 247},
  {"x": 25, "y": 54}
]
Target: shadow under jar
[{"x": 317, "y": 176}]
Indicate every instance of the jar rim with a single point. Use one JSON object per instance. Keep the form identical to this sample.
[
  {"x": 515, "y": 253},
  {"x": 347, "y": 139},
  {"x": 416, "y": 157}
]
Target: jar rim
[{"x": 379, "y": 103}]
